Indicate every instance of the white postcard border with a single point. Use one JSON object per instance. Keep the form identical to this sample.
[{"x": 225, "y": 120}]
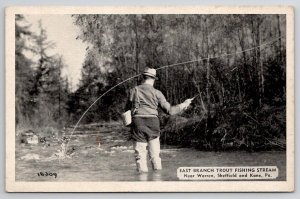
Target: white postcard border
[{"x": 171, "y": 186}]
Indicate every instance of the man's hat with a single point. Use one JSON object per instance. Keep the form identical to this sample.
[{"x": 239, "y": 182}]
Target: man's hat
[{"x": 151, "y": 72}]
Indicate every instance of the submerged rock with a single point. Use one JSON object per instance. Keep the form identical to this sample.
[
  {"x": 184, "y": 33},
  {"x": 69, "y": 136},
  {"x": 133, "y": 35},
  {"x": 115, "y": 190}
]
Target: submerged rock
[
  {"x": 109, "y": 152},
  {"x": 30, "y": 156},
  {"x": 119, "y": 147},
  {"x": 129, "y": 151},
  {"x": 119, "y": 141}
]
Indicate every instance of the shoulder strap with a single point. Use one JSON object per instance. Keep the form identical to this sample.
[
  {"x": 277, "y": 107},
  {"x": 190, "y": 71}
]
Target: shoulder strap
[
  {"x": 136, "y": 101},
  {"x": 137, "y": 94}
]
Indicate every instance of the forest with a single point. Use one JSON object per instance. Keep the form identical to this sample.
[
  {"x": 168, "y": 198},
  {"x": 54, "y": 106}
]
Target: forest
[{"x": 239, "y": 76}]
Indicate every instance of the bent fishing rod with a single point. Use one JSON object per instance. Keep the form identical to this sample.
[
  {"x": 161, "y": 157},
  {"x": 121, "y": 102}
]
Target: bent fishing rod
[{"x": 163, "y": 67}]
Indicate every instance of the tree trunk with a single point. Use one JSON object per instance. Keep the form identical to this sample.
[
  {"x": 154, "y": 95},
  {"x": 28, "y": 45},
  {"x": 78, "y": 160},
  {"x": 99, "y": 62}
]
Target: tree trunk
[
  {"x": 207, "y": 69},
  {"x": 259, "y": 61},
  {"x": 137, "y": 68},
  {"x": 279, "y": 42}
]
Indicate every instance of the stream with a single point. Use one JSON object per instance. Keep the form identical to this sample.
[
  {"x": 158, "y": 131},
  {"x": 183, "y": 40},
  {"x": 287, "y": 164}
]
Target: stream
[{"x": 113, "y": 159}]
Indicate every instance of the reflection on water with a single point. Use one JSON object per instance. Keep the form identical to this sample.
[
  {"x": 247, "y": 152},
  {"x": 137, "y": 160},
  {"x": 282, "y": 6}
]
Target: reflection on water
[{"x": 114, "y": 161}]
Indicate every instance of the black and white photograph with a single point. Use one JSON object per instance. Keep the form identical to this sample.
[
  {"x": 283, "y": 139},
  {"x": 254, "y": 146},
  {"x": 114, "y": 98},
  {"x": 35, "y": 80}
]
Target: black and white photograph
[{"x": 166, "y": 99}]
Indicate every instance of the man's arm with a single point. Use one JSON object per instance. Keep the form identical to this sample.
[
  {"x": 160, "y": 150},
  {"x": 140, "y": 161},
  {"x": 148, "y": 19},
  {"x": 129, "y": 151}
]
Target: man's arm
[{"x": 166, "y": 106}]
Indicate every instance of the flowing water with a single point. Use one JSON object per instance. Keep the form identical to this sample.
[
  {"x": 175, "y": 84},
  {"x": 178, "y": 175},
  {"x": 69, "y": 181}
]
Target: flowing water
[{"x": 108, "y": 156}]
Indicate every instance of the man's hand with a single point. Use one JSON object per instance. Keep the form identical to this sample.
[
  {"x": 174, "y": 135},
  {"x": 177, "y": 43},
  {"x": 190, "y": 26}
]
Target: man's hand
[
  {"x": 186, "y": 104},
  {"x": 188, "y": 101}
]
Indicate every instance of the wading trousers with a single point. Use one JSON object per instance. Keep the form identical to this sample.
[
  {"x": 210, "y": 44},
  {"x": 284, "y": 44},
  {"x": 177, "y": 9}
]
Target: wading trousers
[{"x": 141, "y": 152}]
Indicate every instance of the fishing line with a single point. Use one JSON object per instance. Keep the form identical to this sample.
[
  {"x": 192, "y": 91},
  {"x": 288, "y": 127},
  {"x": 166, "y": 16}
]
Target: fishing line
[
  {"x": 223, "y": 55},
  {"x": 76, "y": 125},
  {"x": 162, "y": 67}
]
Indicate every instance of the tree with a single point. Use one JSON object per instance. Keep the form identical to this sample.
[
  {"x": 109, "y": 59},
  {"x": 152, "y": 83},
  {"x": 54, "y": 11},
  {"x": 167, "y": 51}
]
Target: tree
[
  {"x": 23, "y": 70},
  {"x": 237, "y": 77},
  {"x": 41, "y": 91}
]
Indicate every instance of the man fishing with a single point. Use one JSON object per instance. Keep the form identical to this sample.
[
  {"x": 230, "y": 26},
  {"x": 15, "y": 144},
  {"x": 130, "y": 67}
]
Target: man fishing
[{"x": 144, "y": 101}]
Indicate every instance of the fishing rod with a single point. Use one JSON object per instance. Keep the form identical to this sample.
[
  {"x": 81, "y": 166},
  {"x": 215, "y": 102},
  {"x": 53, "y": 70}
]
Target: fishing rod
[
  {"x": 162, "y": 67},
  {"x": 195, "y": 97}
]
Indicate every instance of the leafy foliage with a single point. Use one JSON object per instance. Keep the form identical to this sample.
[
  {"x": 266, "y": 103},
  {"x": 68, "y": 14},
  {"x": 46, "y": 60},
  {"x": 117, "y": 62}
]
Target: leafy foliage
[
  {"x": 41, "y": 91},
  {"x": 240, "y": 97},
  {"x": 233, "y": 90}
]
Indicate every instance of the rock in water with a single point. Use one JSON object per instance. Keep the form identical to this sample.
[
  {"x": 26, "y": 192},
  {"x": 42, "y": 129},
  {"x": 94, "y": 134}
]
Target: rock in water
[
  {"x": 33, "y": 140},
  {"x": 128, "y": 151},
  {"x": 118, "y": 147},
  {"x": 29, "y": 137}
]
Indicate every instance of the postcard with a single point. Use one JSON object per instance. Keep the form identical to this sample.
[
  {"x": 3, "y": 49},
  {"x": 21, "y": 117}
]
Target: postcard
[{"x": 150, "y": 99}]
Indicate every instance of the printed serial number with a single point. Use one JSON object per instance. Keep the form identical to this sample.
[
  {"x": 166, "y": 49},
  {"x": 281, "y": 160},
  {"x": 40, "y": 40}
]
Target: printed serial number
[{"x": 47, "y": 174}]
